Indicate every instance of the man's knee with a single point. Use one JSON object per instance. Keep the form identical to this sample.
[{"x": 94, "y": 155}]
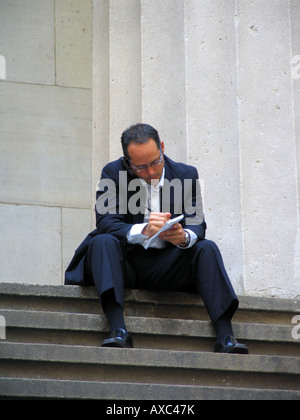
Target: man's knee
[
  {"x": 206, "y": 245},
  {"x": 104, "y": 240}
]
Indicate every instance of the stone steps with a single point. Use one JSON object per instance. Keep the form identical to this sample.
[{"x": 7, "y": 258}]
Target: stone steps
[
  {"x": 53, "y": 337},
  {"x": 64, "y": 389}
]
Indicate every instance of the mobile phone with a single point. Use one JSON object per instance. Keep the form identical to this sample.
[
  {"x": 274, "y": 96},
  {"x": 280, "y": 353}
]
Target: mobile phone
[{"x": 126, "y": 165}]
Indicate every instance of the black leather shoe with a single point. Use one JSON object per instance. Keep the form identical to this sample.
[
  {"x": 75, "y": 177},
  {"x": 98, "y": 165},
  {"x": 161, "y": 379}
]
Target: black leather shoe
[
  {"x": 231, "y": 345},
  {"x": 118, "y": 338}
]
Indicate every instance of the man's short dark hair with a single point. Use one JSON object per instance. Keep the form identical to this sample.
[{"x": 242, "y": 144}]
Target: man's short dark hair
[{"x": 139, "y": 133}]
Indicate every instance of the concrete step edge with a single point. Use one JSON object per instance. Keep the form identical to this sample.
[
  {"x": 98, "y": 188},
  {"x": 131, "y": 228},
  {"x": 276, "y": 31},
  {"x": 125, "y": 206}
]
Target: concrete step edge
[
  {"x": 140, "y": 325},
  {"x": 65, "y": 389},
  {"x": 149, "y": 358},
  {"x": 167, "y": 298}
]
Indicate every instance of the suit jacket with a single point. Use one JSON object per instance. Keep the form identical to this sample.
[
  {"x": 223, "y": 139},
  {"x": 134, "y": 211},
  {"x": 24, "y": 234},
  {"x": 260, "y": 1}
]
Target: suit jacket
[{"x": 179, "y": 195}]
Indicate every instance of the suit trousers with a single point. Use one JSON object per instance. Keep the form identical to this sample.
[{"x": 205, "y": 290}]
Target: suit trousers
[{"x": 111, "y": 265}]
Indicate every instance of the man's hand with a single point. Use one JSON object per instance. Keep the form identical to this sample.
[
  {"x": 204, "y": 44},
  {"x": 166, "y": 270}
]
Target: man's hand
[
  {"x": 156, "y": 222},
  {"x": 176, "y": 235}
]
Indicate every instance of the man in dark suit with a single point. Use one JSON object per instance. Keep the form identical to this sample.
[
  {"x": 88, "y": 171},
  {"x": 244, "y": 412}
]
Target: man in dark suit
[{"x": 136, "y": 196}]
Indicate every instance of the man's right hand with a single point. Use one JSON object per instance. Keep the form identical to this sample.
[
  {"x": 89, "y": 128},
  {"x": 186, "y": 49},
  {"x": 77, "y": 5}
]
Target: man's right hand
[{"x": 156, "y": 222}]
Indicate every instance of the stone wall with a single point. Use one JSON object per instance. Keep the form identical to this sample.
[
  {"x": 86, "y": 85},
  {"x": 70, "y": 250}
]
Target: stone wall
[
  {"x": 46, "y": 136},
  {"x": 219, "y": 80}
]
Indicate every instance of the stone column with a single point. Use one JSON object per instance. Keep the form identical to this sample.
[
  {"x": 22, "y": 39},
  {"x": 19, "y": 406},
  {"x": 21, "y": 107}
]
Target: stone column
[
  {"x": 295, "y": 33},
  {"x": 268, "y": 150},
  {"x": 163, "y": 72},
  {"x": 213, "y": 137},
  {"x": 117, "y": 77}
]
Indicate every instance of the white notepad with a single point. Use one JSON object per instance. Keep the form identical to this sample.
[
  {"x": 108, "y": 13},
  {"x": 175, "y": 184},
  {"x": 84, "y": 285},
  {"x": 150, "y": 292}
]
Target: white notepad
[{"x": 167, "y": 226}]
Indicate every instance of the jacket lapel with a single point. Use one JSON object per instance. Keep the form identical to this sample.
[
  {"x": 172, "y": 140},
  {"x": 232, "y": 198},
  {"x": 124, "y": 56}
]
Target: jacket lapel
[{"x": 170, "y": 175}]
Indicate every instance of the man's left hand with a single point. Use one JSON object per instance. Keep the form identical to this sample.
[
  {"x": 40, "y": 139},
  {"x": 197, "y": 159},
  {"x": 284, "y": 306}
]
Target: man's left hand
[{"x": 175, "y": 236}]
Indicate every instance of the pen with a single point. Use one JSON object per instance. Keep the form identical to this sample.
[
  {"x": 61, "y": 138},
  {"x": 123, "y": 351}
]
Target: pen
[{"x": 146, "y": 207}]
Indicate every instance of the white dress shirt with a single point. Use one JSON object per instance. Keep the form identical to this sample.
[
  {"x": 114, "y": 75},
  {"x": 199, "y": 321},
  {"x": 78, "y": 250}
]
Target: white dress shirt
[{"x": 135, "y": 235}]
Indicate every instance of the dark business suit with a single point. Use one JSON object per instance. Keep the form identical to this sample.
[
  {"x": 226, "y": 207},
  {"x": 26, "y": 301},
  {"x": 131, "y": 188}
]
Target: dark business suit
[{"x": 107, "y": 260}]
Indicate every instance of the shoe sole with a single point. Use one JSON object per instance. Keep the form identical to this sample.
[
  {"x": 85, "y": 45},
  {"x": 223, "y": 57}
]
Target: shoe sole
[
  {"x": 115, "y": 344},
  {"x": 238, "y": 350}
]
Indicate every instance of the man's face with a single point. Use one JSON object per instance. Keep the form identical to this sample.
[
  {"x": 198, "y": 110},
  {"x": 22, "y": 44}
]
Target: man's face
[{"x": 146, "y": 154}]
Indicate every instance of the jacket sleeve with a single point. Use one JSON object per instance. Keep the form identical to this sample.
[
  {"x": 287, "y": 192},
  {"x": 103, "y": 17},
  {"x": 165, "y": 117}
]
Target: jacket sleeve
[
  {"x": 111, "y": 218},
  {"x": 193, "y": 206}
]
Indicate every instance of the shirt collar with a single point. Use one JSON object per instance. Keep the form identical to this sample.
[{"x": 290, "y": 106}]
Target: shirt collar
[{"x": 158, "y": 186}]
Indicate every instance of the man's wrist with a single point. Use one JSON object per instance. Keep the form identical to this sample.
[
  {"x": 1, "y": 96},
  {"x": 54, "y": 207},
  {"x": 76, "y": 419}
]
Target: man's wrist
[
  {"x": 135, "y": 235},
  {"x": 187, "y": 240},
  {"x": 144, "y": 231}
]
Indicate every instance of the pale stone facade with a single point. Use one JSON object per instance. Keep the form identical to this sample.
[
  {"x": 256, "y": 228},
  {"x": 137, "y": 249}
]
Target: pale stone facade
[
  {"x": 219, "y": 80},
  {"x": 45, "y": 136}
]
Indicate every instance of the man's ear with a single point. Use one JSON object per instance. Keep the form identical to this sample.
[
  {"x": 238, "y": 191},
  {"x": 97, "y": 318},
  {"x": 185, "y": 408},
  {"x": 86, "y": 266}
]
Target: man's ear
[{"x": 162, "y": 146}]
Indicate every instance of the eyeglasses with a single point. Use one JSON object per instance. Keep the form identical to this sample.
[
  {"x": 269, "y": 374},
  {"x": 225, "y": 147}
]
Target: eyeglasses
[{"x": 141, "y": 168}]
